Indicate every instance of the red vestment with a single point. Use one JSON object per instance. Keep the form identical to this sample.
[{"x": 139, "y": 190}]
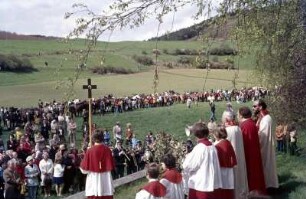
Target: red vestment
[
  {"x": 253, "y": 158},
  {"x": 156, "y": 189},
  {"x": 98, "y": 159},
  {"x": 172, "y": 175},
  {"x": 226, "y": 154},
  {"x": 227, "y": 159}
]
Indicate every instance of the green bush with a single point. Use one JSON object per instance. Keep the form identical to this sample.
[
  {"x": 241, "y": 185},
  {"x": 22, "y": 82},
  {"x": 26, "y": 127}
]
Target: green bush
[
  {"x": 202, "y": 64},
  {"x": 144, "y": 60},
  {"x": 110, "y": 69},
  {"x": 185, "y": 60},
  {"x": 168, "y": 65},
  {"x": 186, "y": 52},
  {"x": 224, "y": 49},
  {"x": 165, "y": 51},
  {"x": 215, "y": 58},
  {"x": 12, "y": 63}
]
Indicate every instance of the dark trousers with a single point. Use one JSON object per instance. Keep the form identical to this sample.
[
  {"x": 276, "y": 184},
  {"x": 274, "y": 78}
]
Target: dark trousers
[
  {"x": 293, "y": 148},
  {"x": 280, "y": 145},
  {"x": 119, "y": 171}
]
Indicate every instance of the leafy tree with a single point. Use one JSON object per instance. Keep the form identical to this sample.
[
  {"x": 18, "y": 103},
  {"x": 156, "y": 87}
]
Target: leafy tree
[{"x": 272, "y": 29}]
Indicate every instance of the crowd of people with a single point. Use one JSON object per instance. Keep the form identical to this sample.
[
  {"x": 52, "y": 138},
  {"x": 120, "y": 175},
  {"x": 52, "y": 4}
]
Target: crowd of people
[
  {"x": 234, "y": 159},
  {"x": 12, "y": 117},
  {"x": 41, "y": 158}
]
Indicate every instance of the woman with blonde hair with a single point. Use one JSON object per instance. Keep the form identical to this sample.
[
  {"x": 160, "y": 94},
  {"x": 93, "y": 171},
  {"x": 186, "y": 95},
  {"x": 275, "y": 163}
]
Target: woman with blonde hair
[{"x": 46, "y": 169}]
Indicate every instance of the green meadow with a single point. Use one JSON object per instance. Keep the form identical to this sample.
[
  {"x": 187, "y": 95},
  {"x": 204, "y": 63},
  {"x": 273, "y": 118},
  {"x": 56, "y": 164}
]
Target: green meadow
[
  {"x": 24, "y": 90},
  {"x": 63, "y": 57}
]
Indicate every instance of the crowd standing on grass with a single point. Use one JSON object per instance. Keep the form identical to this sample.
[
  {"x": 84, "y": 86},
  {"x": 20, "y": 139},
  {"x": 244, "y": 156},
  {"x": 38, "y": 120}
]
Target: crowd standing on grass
[
  {"x": 41, "y": 156},
  {"x": 11, "y": 117}
]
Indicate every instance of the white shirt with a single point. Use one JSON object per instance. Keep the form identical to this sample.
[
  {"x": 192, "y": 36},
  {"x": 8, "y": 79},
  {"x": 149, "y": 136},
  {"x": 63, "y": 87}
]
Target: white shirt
[
  {"x": 58, "y": 170},
  {"x": 46, "y": 167},
  {"x": 203, "y": 168}
]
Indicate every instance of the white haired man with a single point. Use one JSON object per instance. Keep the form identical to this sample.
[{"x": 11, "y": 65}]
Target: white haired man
[{"x": 234, "y": 135}]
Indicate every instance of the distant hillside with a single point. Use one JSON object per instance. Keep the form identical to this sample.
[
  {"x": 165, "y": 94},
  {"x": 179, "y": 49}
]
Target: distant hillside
[
  {"x": 206, "y": 27},
  {"x": 4, "y": 35}
]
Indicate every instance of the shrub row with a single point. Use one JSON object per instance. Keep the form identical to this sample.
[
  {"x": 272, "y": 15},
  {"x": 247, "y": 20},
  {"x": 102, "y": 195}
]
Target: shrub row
[
  {"x": 219, "y": 51},
  {"x": 215, "y": 65},
  {"x": 143, "y": 59},
  {"x": 12, "y": 63},
  {"x": 110, "y": 69}
]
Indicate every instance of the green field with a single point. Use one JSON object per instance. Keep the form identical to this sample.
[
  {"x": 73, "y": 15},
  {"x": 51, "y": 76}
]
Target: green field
[
  {"x": 24, "y": 90},
  {"x": 63, "y": 58}
]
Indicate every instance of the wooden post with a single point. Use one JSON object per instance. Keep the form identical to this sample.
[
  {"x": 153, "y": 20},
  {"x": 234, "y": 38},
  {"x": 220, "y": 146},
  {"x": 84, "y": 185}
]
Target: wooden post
[{"x": 89, "y": 87}]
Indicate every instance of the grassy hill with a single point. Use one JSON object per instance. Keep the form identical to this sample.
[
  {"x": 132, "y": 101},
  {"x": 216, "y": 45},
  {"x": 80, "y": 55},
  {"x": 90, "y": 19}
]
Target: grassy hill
[{"x": 57, "y": 60}]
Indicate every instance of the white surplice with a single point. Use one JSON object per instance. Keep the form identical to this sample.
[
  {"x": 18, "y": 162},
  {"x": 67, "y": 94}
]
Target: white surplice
[
  {"x": 203, "y": 168},
  {"x": 234, "y": 135},
  {"x": 174, "y": 191},
  {"x": 98, "y": 184},
  {"x": 267, "y": 148}
]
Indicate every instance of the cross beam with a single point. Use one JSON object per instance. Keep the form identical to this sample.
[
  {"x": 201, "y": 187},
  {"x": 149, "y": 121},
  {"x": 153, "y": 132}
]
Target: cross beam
[{"x": 89, "y": 87}]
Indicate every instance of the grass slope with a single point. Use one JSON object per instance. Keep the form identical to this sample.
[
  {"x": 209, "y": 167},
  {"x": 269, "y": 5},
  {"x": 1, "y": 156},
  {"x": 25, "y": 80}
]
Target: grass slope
[
  {"x": 63, "y": 57},
  {"x": 180, "y": 80}
]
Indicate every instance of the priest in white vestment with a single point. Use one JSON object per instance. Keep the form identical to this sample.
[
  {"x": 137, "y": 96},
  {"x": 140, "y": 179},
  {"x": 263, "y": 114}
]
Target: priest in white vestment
[
  {"x": 267, "y": 144},
  {"x": 234, "y": 135}
]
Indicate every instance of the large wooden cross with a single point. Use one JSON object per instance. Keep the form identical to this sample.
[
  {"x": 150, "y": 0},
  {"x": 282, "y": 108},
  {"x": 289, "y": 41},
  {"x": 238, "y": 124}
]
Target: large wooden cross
[{"x": 89, "y": 87}]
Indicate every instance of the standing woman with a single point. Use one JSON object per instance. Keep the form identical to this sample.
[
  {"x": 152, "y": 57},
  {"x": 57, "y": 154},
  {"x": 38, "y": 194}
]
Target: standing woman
[
  {"x": 58, "y": 176},
  {"x": 46, "y": 169},
  {"x": 31, "y": 172}
]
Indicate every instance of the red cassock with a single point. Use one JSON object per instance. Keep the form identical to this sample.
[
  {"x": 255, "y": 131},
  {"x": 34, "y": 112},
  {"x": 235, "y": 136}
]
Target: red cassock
[
  {"x": 253, "y": 158},
  {"x": 155, "y": 188},
  {"x": 227, "y": 159},
  {"x": 98, "y": 159}
]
